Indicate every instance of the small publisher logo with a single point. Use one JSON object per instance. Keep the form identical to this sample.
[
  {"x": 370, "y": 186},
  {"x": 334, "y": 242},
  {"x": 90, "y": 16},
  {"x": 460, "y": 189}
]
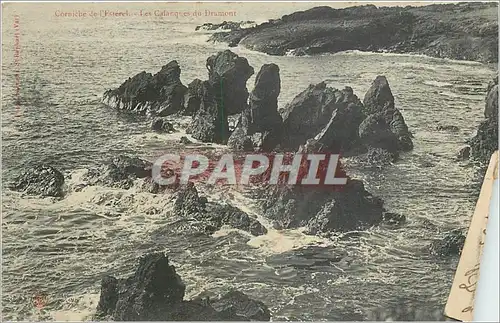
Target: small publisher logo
[{"x": 40, "y": 300}]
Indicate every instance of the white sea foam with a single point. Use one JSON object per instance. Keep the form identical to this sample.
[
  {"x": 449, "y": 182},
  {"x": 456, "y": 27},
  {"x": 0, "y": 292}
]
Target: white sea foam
[{"x": 437, "y": 83}]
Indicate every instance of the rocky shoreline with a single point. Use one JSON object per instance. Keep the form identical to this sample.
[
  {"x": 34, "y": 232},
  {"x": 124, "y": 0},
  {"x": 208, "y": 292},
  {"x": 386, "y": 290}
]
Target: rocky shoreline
[
  {"x": 485, "y": 142},
  {"x": 320, "y": 119},
  {"x": 463, "y": 31}
]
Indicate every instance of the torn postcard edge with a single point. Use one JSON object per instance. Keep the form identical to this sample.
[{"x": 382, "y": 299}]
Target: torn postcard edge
[{"x": 460, "y": 305}]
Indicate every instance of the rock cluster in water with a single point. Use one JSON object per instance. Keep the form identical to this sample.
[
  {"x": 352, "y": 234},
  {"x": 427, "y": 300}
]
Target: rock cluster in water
[
  {"x": 155, "y": 292},
  {"x": 39, "y": 180},
  {"x": 320, "y": 119}
]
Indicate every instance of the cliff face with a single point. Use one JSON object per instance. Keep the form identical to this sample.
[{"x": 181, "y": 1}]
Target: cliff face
[
  {"x": 485, "y": 142},
  {"x": 465, "y": 31}
]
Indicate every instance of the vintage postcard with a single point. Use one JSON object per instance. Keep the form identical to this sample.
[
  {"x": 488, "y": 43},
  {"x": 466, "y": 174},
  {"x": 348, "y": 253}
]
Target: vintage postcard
[{"x": 227, "y": 161}]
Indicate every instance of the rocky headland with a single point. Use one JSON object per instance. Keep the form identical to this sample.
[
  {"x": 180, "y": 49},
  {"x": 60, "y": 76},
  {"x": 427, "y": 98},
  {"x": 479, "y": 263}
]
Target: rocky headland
[{"x": 463, "y": 31}]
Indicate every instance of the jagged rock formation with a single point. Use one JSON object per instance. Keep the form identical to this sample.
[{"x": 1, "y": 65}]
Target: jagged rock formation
[
  {"x": 210, "y": 121},
  {"x": 155, "y": 292},
  {"x": 207, "y": 217},
  {"x": 464, "y": 31},
  {"x": 260, "y": 125},
  {"x": 228, "y": 74},
  {"x": 329, "y": 116},
  {"x": 224, "y": 94},
  {"x": 41, "y": 180},
  {"x": 485, "y": 142},
  {"x": 161, "y": 94},
  {"x": 379, "y": 101},
  {"x": 324, "y": 119},
  {"x": 375, "y": 132},
  {"x": 323, "y": 209},
  {"x": 193, "y": 97}
]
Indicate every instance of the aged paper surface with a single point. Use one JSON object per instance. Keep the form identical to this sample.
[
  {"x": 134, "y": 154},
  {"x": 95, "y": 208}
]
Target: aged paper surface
[
  {"x": 460, "y": 304},
  {"x": 95, "y": 95}
]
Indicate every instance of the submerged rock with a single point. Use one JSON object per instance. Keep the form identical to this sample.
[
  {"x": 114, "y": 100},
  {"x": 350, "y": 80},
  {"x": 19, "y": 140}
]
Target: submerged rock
[
  {"x": 185, "y": 140},
  {"x": 394, "y": 219},
  {"x": 41, "y": 180},
  {"x": 119, "y": 171},
  {"x": 188, "y": 202},
  {"x": 161, "y": 94},
  {"x": 463, "y": 153},
  {"x": 260, "y": 125},
  {"x": 450, "y": 128},
  {"x": 379, "y": 100},
  {"x": 225, "y": 93},
  {"x": 162, "y": 125},
  {"x": 155, "y": 292},
  {"x": 450, "y": 245}
]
